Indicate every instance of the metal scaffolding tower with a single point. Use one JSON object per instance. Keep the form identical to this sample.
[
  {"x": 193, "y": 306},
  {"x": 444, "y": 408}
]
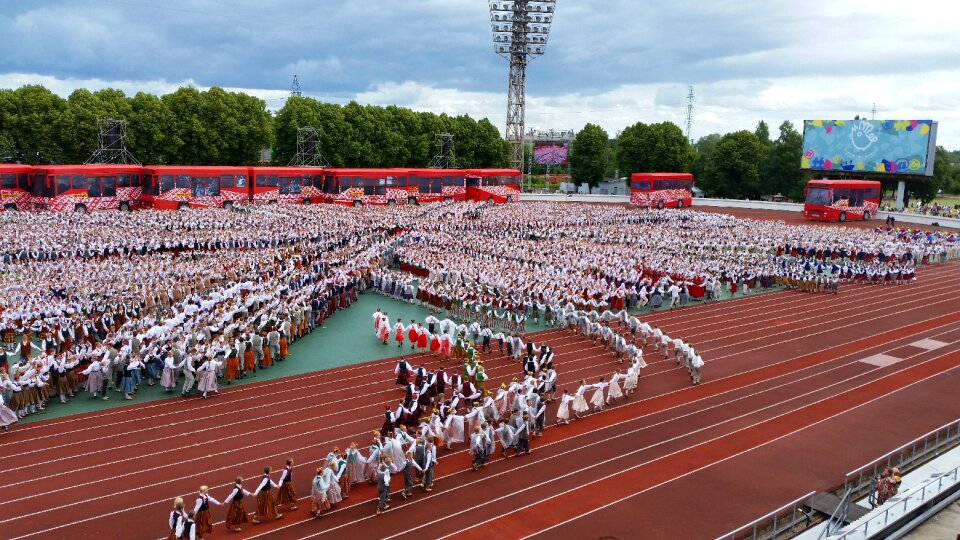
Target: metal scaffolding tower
[
  {"x": 309, "y": 152},
  {"x": 295, "y": 88},
  {"x": 446, "y": 157},
  {"x": 112, "y": 143},
  {"x": 520, "y": 31},
  {"x": 690, "y": 99}
]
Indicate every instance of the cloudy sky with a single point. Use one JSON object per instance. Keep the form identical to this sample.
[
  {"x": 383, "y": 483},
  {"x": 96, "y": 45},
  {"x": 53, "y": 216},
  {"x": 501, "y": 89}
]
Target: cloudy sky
[{"x": 610, "y": 62}]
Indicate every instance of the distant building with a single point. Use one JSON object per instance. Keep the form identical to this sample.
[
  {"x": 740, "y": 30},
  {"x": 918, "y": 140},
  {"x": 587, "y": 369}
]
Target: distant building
[{"x": 265, "y": 155}]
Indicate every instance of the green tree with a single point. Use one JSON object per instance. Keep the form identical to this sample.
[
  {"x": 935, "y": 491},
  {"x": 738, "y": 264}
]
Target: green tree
[
  {"x": 35, "y": 123},
  {"x": 781, "y": 167},
  {"x": 653, "y": 148},
  {"x": 734, "y": 168},
  {"x": 927, "y": 189},
  {"x": 588, "y": 156},
  {"x": 762, "y": 132}
]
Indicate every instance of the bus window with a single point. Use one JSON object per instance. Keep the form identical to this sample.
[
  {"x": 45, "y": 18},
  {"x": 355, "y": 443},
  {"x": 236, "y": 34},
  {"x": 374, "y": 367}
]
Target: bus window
[
  {"x": 381, "y": 188},
  {"x": 63, "y": 184},
  {"x": 213, "y": 186},
  {"x": 134, "y": 180},
  {"x": 78, "y": 181},
  {"x": 42, "y": 189},
  {"x": 642, "y": 186},
  {"x": 473, "y": 181},
  {"x": 284, "y": 185},
  {"x": 151, "y": 184},
  {"x": 295, "y": 185},
  {"x": 8, "y": 181},
  {"x": 391, "y": 181},
  {"x": 196, "y": 186},
  {"x": 166, "y": 183},
  {"x": 840, "y": 194},
  {"x": 448, "y": 181},
  {"x": 123, "y": 180},
  {"x": 23, "y": 181},
  {"x": 93, "y": 186},
  {"x": 183, "y": 181},
  {"x": 329, "y": 184},
  {"x": 856, "y": 197},
  {"x": 436, "y": 185},
  {"x": 458, "y": 181},
  {"x": 401, "y": 181},
  {"x": 424, "y": 185},
  {"x": 316, "y": 182},
  {"x": 871, "y": 194},
  {"x": 108, "y": 186},
  {"x": 228, "y": 181},
  {"x": 241, "y": 180},
  {"x": 819, "y": 196},
  {"x": 369, "y": 186}
]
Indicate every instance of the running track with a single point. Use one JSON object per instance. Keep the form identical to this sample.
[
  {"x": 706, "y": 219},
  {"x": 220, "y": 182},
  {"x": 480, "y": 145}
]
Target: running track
[{"x": 786, "y": 406}]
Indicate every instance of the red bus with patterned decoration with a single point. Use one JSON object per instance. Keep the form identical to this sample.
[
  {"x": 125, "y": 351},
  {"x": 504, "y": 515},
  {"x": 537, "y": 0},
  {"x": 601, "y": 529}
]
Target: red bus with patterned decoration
[
  {"x": 173, "y": 187},
  {"x": 358, "y": 187},
  {"x": 493, "y": 185},
  {"x": 661, "y": 190},
  {"x": 841, "y": 200},
  {"x": 434, "y": 185},
  {"x": 84, "y": 188},
  {"x": 15, "y": 186},
  {"x": 286, "y": 185}
]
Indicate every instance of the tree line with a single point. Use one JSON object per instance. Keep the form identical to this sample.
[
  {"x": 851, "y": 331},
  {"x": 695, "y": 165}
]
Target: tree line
[
  {"x": 742, "y": 164},
  {"x": 217, "y": 127}
]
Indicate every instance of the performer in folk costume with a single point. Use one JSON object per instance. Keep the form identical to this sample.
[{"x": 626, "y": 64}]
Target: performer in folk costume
[
  {"x": 413, "y": 334},
  {"x": 287, "y": 494},
  {"x": 187, "y": 529},
  {"x": 237, "y": 513},
  {"x": 563, "y": 411},
  {"x": 402, "y": 371},
  {"x": 398, "y": 333},
  {"x": 176, "y": 516},
  {"x": 201, "y": 512},
  {"x": 376, "y": 320},
  {"x": 318, "y": 494},
  {"x": 266, "y": 505},
  {"x": 579, "y": 402}
]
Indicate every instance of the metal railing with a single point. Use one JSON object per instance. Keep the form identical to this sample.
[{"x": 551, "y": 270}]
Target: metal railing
[
  {"x": 898, "y": 509},
  {"x": 861, "y": 480},
  {"x": 782, "y": 520},
  {"x": 839, "y": 517}
]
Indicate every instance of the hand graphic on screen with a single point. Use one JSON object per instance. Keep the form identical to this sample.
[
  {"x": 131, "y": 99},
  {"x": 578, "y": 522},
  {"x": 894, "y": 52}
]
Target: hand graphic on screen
[{"x": 862, "y": 136}]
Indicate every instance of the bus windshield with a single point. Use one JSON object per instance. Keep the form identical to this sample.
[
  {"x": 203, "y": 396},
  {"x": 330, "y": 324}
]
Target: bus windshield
[{"x": 819, "y": 196}]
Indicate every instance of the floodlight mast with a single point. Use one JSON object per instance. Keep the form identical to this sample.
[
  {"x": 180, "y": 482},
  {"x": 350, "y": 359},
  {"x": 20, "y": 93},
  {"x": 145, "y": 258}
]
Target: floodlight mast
[{"x": 520, "y": 32}]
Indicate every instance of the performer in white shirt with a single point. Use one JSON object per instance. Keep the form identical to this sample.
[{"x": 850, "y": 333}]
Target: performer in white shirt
[{"x": 266, "y": 505}]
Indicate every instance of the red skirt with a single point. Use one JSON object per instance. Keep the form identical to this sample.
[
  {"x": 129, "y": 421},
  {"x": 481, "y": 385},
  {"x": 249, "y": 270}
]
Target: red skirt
[
  {"x": 434, "y": 345},
  {"x": 287, "y": 494},
  {"x": 204, "y": 522},
  {"x": 266, "y": 506},
  {"x": 236, "y": 515}
]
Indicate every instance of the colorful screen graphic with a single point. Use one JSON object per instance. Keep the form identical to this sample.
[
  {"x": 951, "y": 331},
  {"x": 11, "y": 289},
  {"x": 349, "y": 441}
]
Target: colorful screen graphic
[
  {"x": 902, "y": 147},
  {"x": 550, "y": 155}
]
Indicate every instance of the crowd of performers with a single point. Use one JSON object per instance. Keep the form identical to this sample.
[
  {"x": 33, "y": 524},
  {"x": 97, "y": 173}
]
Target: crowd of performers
[{"x": 212, "y": 295}]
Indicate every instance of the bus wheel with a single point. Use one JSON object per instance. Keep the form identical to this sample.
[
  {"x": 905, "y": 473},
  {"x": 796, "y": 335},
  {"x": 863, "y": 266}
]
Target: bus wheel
[
  {"x": 843, "y": 217},
  {"x": 183, "y": 206},
  {"x": 679, "y": 203},
  {"x": 80, "y": 209},
  {"x": 357, "y": 204},
  {"x": 659, "y": 205},
  {"x": 866, "y": 216},
  {"x": 124, "y": 206},
  {"x": 490, "y": 200},
  {"x": 228, "y": 205},
  {"x": 391, "y": 202},
  {"x": 445, "y": 199},
  {"x": 411, "y": 200},
  {"x": 10, "y": 206},
  {"x": 307, "y": 201},
  {"x": 509, "y": 198}
]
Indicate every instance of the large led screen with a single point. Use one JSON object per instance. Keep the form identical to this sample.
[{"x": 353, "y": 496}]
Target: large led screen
[{"x": 899, "y": 147}]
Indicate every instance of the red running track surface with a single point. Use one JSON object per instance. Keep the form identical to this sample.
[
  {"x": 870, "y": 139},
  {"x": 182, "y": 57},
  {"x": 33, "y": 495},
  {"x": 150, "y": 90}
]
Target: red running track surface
[{"x": 786, "y": 406}]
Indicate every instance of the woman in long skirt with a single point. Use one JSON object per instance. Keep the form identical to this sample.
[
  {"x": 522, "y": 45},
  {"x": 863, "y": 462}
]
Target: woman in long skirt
[
  {"x": 563, "y": 410},
  {"x": 318, "y": 494},
  {"x": 237, "y": 514},
  {"x": 284, "y": 346},
  {"x": 579, "y": 402},
  {"x": 208, "y": 377},
  {"x": 7, "y": 416},
  {"x": 597, "y": 399},
  {"x": 233, "y": 367},
  {"x": 334, "y": 495},
  {"x": 94, "y": 373},
  {"x": 614, "y": 392},
  {"x": 356, "y": 464}
]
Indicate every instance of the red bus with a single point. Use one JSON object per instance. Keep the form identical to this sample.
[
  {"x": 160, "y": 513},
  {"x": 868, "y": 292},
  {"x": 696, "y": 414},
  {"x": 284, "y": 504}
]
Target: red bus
[
  {"x": 434, "y": 185},
  {"x": 82, "y": 188},
  {"x": 287, "y": 185},
  {"x": 172, "y": 187},
  {"x": 493, "y": 185},
  {"x": 15, "y": 186},
  {"x": 661, "y": 190},
  {"x": 840, "y": 200},
  {"x": 357, "y": 187}
]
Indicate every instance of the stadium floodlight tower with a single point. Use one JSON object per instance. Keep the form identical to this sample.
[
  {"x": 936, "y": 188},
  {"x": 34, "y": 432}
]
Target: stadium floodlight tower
[{"x": 520, "y": 31}]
